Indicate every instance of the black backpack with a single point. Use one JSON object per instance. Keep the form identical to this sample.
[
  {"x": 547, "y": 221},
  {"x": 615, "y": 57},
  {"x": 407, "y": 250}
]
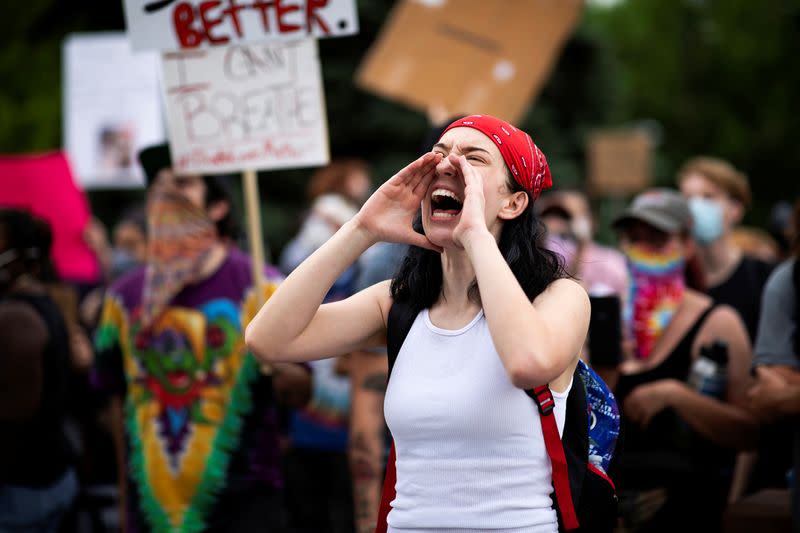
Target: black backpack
[{"x": 585, "y": 495}]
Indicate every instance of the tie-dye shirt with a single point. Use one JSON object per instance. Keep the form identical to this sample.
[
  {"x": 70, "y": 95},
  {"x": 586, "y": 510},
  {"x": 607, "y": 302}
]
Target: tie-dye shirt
[{"x": 200, "y": 417}]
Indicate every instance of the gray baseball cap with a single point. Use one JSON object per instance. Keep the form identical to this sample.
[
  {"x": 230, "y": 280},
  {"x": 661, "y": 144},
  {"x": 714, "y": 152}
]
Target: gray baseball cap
[{"x": 664, "y": 209}]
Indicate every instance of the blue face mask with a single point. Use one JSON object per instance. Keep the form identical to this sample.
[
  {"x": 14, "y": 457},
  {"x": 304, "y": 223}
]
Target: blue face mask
[
  {"x": 122, "y": 262},
  {"x": 707, "y": 215}
]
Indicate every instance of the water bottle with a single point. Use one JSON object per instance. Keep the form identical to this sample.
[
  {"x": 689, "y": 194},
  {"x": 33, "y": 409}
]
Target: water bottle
[{"x": 709, "y": 372}]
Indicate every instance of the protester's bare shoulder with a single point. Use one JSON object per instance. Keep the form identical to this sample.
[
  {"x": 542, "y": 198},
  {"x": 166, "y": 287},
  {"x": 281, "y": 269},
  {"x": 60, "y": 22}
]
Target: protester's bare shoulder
[
  {"x": 564, "y": 291},
  {"x": 378, "y": 295},
  {"x": 723, "y": 322}
]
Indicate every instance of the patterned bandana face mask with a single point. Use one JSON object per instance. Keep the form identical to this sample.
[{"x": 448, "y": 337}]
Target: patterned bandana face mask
[
  {"x": 181, "y": 236},
  {"x": 657, "y": 286}
]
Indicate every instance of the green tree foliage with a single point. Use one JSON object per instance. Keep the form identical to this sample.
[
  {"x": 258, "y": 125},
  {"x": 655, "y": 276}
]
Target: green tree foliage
[{"x": 718, "y": 77}]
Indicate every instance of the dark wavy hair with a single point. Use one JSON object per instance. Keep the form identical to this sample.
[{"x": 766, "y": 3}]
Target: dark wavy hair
[{"x": 418, "y": 282}]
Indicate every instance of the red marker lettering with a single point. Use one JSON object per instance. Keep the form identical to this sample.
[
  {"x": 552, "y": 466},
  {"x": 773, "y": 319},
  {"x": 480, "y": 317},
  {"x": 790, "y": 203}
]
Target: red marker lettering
[
  {"x": 263, "y": 6},
  {"x": 280, "y": 11},
  {"x": 209, "y": 23},
  {"x": 233, "y": 12},
  {"x": 311, "y": 15},
  {"x": 182, "y": 19}
]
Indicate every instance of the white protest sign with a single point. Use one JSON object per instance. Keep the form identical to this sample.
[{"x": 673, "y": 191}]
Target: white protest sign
[
  {"x": 246, "y": 107},
  {"x": 112, "y": 108},
  {"x": 186, "y": 24}
]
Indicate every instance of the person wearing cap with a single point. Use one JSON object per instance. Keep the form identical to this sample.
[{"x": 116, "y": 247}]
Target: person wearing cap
[
  {"x": 495, "y": 314},
  {"x": 719, "y": 196},
  {"x": 200, "y": 450},
  {"x": 679, "y": 444}
]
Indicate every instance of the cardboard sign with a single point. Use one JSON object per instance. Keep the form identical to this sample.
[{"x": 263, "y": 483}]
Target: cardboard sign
[
  {"x": 620, "y": 162},
  {"x": 468, "y": 56},
  {"x": 186, "y": 24},
  {"x": 242, "y": 107},
  {"x": 112, "y": 108},
  {"x": 43, "y": 185}
]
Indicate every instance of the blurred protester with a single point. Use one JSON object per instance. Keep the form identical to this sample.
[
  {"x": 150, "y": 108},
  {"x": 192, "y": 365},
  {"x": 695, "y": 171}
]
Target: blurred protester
[
  {"x": 318, "y": 482},
  {"x": 201, "y": 448},
  {"x": 335, "y": 193},
  {"x": 570, "y": 227},
  {"x": 368, "y": 370},
  {"x": 128, "y": 250},
  {"x": 129, "y": 242},
  {"x": 718, "y": 197},
  {"x": 89, "y": 436},
  {"x": 679, "y": 442},
  {"x": 64, "y": 295},
  {"x": 37, "y": 480},
  {"x": 776, "y": 394}
]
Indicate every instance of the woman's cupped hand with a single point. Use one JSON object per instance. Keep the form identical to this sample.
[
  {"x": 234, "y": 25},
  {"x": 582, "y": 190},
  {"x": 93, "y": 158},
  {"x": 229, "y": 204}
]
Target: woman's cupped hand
[{"x": 389, "y": 213}]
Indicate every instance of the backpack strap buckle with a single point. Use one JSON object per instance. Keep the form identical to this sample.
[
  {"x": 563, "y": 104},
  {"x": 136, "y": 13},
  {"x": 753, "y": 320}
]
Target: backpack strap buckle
[{"x": 544, "y": 399}]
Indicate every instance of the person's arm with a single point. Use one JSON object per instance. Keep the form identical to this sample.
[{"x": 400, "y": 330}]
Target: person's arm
[
  {"x": 368, "y": 375},
  {"x": 776, "y": 392},
  {"x": 294, "y": 326},
  {"x": 537, "y": 342},
  {"x": 726, "y": 423},
  {"x": 23, "y": 338}
]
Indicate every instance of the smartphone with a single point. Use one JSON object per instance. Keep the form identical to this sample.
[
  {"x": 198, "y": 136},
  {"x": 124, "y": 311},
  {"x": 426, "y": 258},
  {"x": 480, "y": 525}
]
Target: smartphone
[{"x": 605, "y": 331}]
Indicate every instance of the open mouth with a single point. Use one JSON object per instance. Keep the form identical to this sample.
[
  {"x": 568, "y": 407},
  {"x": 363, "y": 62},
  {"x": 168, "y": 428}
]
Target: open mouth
[{"x": 445, "y": 204}]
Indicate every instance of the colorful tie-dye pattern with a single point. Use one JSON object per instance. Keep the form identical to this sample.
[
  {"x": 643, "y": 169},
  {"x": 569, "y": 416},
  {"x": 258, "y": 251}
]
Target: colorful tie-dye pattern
[
  {"x": 188, "y": 380},
  {"x": 656, "y": 289}
]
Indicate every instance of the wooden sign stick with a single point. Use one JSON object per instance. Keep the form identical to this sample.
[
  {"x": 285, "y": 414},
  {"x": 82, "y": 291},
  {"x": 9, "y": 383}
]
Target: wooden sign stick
[{"x": 255, "y": 239}]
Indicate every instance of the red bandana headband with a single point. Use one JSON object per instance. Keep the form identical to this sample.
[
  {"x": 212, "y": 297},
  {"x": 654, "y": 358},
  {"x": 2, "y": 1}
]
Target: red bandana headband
[{"x": 523, "y": 158}]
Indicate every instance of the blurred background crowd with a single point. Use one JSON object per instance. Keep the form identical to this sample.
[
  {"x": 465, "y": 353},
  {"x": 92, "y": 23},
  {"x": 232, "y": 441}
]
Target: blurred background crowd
[{"x": 690, "y": 265}]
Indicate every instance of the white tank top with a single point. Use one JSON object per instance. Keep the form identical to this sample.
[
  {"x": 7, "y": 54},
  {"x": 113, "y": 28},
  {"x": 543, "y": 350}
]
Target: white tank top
[{"x": 470, "y": 450}]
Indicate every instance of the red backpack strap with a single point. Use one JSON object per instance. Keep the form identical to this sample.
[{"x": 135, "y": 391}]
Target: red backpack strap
[
  {"x": 388, "y": 493},
  {"x": 555, "y": 450}
]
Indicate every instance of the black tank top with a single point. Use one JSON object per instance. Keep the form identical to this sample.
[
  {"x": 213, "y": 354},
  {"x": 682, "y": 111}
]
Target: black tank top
[
  {"x": 668, "y": 449},
  {"x": 35, "y": 452}
]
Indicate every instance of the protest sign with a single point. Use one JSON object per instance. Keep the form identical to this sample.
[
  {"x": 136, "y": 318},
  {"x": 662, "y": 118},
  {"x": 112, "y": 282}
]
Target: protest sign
[
  {"x": 620, "y": 161},
  {"x": 111, "y": 108},
  {"x": 186, "y": 24},
  {"x": 243, "y": 107},
  {"x": 43, "y": 185},
  {"x": 468, "y": 56}
]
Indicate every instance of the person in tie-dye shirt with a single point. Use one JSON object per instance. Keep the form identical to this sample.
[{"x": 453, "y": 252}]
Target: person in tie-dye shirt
[{"x": 199, "y": 413}]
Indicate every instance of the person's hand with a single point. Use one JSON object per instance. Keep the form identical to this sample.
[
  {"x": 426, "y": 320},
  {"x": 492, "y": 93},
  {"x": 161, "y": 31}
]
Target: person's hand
[
  {"x": 473, "y": 213},
  {"x": 771, "y": 391},
  {"x": 646, "y": 401},
  {"x": 389, "y": 213}
]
